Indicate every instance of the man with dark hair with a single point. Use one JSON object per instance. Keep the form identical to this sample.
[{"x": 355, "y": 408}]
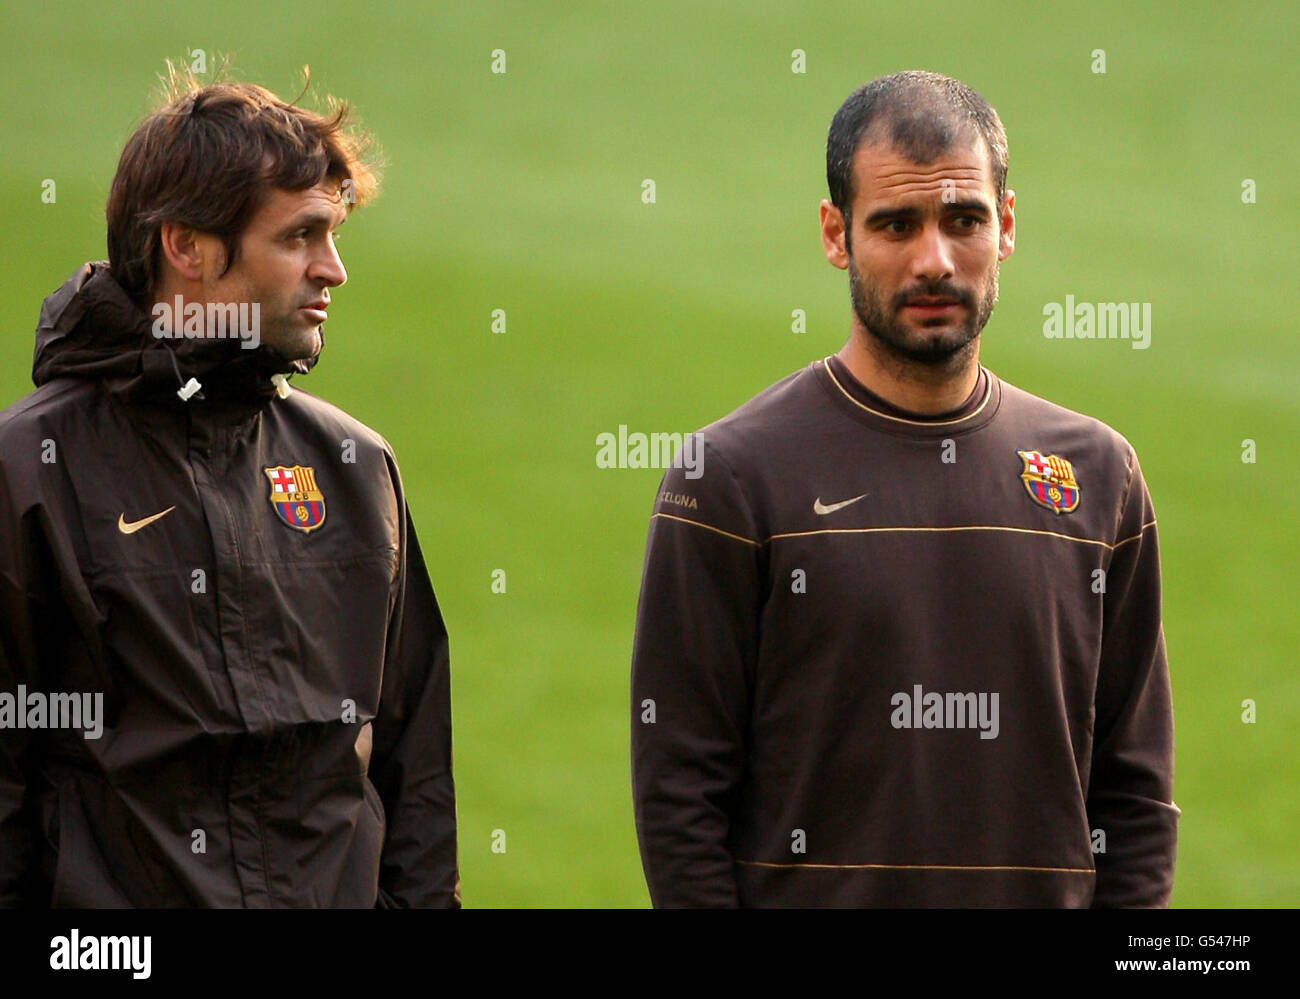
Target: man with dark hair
[
  {"x": 212, "y": 574},
  {"x": 901, "y": 645}
]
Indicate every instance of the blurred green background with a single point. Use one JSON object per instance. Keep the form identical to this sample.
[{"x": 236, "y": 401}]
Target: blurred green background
[{"x": 522, "y": 191}]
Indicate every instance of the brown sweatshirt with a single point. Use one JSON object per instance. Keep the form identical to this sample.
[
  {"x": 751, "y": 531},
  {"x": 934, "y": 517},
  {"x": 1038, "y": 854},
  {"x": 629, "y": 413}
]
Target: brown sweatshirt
[{"x": 885, "y": 660}]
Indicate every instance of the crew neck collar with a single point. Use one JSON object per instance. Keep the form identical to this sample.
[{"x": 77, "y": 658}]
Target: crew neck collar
[{"x": 867, "y": 407}]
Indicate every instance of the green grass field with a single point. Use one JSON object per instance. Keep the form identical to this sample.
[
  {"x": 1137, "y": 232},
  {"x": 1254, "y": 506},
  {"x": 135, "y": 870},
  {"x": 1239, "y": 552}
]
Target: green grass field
[{"x": 522, "y": 192}]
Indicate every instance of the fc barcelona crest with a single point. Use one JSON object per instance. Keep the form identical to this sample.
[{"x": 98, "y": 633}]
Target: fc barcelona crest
[
  {"x": 295, "y": 497},
  {"x": 1050, "y": 481}
]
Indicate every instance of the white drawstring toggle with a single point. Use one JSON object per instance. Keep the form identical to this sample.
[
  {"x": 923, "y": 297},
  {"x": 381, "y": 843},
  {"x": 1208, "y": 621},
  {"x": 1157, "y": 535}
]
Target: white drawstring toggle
[
  {"x": 188, "y": 389},
  {"x": 282, "y": 388}
]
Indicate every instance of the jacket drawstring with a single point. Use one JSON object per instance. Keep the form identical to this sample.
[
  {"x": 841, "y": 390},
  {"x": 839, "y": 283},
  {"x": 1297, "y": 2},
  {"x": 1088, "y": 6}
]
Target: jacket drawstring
[
  {"x": 188, "y": 388},
  {"x": 191, "y": 387}
]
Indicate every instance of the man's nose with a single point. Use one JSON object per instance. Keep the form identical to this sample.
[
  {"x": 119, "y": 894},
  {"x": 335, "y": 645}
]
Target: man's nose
[
  {"x": 327, "y": 266},
  {"x": 933, "y": 259}
]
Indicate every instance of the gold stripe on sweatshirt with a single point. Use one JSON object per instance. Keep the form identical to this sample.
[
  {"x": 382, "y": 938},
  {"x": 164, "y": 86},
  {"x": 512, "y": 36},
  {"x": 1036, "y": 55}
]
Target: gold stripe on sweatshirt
[
  {"x": 922, "y": 867},
  {"x": 887, "y": 530},
  {"x": 970, "y": 527},
  {"x": 707, "y": 527}
]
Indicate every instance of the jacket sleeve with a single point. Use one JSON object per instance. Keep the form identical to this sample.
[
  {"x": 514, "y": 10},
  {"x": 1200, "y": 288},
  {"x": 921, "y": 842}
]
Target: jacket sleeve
[
  {"x": 1130, "y": 791},
  {"x": 411, "y": 760},
  {"x": 693, "y": 663},
  {"x": 20, "y": 635}
]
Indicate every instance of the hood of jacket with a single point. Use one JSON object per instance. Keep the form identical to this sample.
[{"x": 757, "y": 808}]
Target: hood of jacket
[{"x": 90, "y": 328}]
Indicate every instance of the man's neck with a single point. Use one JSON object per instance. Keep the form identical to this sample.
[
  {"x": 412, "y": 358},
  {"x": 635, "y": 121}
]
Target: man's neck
[
  {"x": 168, "y": 287},
  {"x": 910, "y": 385}
]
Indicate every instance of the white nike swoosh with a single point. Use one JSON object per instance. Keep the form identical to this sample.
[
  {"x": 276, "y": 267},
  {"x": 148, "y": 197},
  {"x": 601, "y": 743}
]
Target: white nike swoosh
[
  {"x": 131, "y": 528},
  {"x": 820, "y": 509}
]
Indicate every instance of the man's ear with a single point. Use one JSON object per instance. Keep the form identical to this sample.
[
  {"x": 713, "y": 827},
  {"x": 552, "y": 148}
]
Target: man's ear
[
  {"x": 833, "y": 236},
  {"x": 1007, "y": 226},
  {"x": 183, "y": 249}
]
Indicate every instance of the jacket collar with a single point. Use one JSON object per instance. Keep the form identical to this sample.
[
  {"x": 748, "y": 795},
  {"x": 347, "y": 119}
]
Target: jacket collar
[{"x": 91, "y": 328}]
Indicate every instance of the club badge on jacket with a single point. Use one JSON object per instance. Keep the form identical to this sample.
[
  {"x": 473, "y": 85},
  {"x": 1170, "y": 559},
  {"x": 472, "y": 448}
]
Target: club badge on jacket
[{"x": 295, "y": 497}]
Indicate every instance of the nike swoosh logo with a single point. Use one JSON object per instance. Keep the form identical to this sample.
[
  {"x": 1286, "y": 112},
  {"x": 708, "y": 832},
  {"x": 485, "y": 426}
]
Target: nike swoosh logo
[
  {"x": 131, "y": 528},
  {"x": 821, "y": 509}
]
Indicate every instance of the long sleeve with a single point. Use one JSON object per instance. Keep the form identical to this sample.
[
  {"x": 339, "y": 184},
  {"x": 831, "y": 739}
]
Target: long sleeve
[
  {"x": 411, "y": 765},
  {"x": 20, "y": 632},
  {"x": 1130, "y": 792},
  {"x": 692, "y": 683}
]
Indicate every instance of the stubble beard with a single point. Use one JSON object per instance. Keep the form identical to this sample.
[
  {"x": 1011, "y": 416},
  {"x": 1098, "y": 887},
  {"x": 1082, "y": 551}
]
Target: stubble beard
[
  {"x": 937, "y": 346},
  {"x": 285, "y": 334},
  {"x": 291, "y": 341}
]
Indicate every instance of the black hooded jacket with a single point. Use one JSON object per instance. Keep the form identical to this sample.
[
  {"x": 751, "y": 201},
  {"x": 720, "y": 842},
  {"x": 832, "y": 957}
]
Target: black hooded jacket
[{"x": 236, "y": 580}]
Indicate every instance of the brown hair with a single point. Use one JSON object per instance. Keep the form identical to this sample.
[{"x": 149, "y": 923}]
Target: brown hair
[
  {"x": 923, "y": 115},
  {"x": 208, "y": 158}
]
